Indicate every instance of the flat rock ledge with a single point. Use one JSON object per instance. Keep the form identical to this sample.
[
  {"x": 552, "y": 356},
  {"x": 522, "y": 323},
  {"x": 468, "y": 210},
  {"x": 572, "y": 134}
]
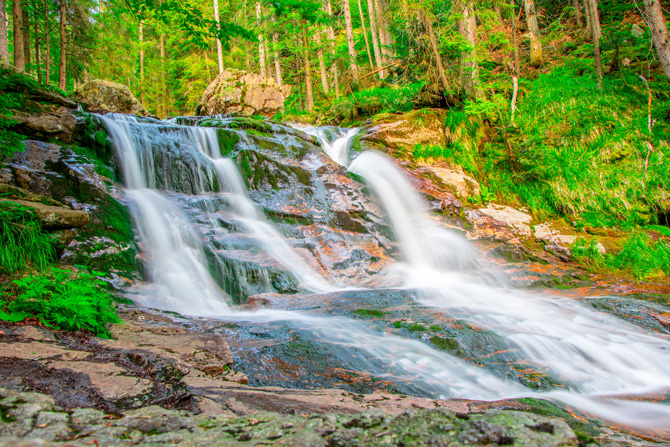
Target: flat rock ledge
[{"x": 32, "y": 419}]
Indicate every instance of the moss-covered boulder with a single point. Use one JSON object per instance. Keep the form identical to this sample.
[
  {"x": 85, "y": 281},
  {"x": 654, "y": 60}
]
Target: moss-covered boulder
[
  {"x": 236, "y": 91},
  {"x": 407, "y": 130},
  {"x": 104, "y": 96}
]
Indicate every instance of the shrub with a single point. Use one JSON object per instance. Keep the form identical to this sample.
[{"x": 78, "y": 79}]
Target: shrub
[
  {"x": 61, "y": 299},
  {"x": 22, "y": 243}
]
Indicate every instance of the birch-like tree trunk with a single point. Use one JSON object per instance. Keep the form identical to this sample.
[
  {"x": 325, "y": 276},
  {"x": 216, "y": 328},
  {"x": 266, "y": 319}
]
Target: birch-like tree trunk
[
  {"x": 365, "y": 35},
  {"x": 4, "y": 39},
  {"x": 659, "y": 33},
  {"x": 219, "y": 52},
  {"x": 275, "y": 55},
  {"x": 467, "y": 28},
  {"x": 261, "y": 43},
  {"x": 62, "y": 72},
  {"x": 309, "y": 89},
  {"x": 331, "y": 39},
  {"x": 322, "y": 61},
  {"x": 534, "y": 30},
  {"x": 375, "y": 34},
  {"x": 17, "y": 16},
  {"x": 350, "y": 39}
]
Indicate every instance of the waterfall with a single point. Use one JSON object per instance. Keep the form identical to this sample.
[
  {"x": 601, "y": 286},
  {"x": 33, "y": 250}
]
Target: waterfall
[{"x": 181, "y": 190}]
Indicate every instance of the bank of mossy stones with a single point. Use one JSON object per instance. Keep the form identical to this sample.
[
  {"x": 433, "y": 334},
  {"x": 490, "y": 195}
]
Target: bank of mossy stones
[{"x": 31, "y": 416}]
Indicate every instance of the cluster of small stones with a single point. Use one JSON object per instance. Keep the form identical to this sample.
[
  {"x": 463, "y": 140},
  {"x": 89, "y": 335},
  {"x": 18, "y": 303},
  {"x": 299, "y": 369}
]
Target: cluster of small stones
[{"x": 30, "y": 419}]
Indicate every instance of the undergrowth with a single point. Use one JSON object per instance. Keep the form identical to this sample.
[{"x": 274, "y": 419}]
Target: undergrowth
[
  {"x": 23, "y": 244},
  {"x": 642, "y": 255},
  {"x": 61, "y": 299}
]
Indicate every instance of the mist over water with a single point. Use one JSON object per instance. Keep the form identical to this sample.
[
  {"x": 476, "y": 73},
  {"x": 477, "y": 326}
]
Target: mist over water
[{"x": 595, "y": 355}]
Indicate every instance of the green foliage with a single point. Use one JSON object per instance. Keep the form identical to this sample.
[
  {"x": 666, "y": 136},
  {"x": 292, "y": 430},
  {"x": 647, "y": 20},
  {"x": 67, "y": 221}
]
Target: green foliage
[
  {"x": 23, "y": 245},
  {"x": 365, "y": 103},
  {"x": 63, "y": 300},
  {"x": 640, "y": 255},
  {"x": 373, "y": 313}
]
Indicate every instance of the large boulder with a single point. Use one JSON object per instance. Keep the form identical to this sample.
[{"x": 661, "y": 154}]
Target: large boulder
[
  {"x": 404, "y": 131},
  {"x": 236, "y": 91},
  {"x": 104, "y": 96}
]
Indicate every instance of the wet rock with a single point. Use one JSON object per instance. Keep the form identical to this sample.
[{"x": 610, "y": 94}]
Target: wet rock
[
  {"x": 46, "y": 121},
  {"x": 236, "y": 91},
  {"x": 405, "y": 131},
  {"x": 56, "y": 217},
  {"x": 104, "y": 96}
]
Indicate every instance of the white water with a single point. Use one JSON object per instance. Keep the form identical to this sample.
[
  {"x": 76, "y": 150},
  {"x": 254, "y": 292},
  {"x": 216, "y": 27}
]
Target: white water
[
  {"x": 597, "y": 356},
  {"x": 335, "y": 141}
]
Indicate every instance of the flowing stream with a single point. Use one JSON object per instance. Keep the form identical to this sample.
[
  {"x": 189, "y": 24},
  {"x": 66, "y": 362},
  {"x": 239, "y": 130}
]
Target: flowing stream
[{"x": 206, "y": 242}]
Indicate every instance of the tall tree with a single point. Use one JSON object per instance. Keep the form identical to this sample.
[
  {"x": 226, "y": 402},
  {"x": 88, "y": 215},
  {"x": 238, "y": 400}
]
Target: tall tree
[
  {"x": 141, "y": 39},
  {"x": 309, "y": 89},
  {"x": 659, "y": 33},
  {"x": 62, "y": 72},
  {"x": 428, "y": 22},
  {"x": 595, "y": 37},
  {"x": 467, "y": 28},
  {"x": 322, "y": 61},
  {"x": 578, "y": 13},
  {"x": 219, "y": 52},
  {"x": 330, "y": 33},
  {"x": 365, "y": 35},
  {"x": 261, "y": 42},
  {"x": 515, "y": 69},
  {"x": 375, "y": 35},
  {"x": 275, "y": 54},
  {"x": 17, "y": 16},
  {"x": 47, "y": 43},
  {"x": 26, "y": 35},
  {"x": 350, "y": 39},
  {"x": 38, "y": 42},
  {"x": 534, "y": 30},
  {"x": 4, "y": 41}
]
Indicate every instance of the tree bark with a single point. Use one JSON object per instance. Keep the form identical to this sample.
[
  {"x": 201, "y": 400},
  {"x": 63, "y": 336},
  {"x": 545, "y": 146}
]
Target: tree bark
[
  {"x": 261, "y": 43},
  {"x": 595, "y": 36},
  {"x": 275, "y": 54},
  {"x": 219, "y": 52},
  {"x": 38, "y": 41},
  {"x": 17, "y": 16},
  {"x": 309, "y": 89},
  {"x": 515, "y": 74},
  {"x": 331, "y": 38},
  {"x": 4, "y": 39},
  {"x": 26, "y": 35},
  {"x": 375, "y": 33},
  {"x": 141, "y": 32},
  {"x": 163, "y": 85},
  {"x": 659, "y": 33},
  {"x": 467, "y": 27},
  {"x": 578, "y": 13},
  {"x": 436, "y": 55},
  {"x": 382, "y": 31},
  {"x": 322, "y": 62},
  {"x": 47, "y": 62},
  {"x": 350, "y": 40},
  {"x": 534, "y": 29},
  {"x": 365, "y": 35},
  {"x": 62, "y": 72}
]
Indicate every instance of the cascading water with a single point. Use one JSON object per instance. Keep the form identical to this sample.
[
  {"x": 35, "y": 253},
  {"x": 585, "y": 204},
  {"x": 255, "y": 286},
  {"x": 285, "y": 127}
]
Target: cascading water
[{"x": 594, "y": 355}]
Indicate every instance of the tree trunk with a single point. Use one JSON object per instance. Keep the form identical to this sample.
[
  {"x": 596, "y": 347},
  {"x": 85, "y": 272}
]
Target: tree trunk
[
  {"x": 578, "y": 14},
  {"x": 4, "y": 40},
  {"x": 38, "y": 41},
  {"x": 515, "y": 74},
  {"x": 322, "y": 62},
  {"x": 26, "y": 35},
  {"x": 17, "y": 16},
  {"x": 534, "y": 29},
  {"x": 375, "y": 34},
  {"x": 350, "y": 40},
  {"x": 261, "y": 43},
  {"x": 47, "y": 62},
  {"x": 62, "y": 72},
  {"x": 595, "y": 36},
  {"x": 382, "y": 30},
  {"x": 331, "y": 38},
  {"x": 467, "y": 28},
  {"x": 309, "y": 89},
  {"x": 365, "y": 35},
  {"x": 275, "y": 55},
  {"x": 219, "y": 52},
  {"x": 436, "y": 55},
  {"x": 141, "y": 60},
  {"x": 659, "y": 33},
  {"x": 163, "y": 85}
]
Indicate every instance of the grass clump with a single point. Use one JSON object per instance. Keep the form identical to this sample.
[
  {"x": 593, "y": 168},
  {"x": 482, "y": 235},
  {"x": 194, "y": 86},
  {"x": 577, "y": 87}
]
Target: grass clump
[
  {"x": 374, "y": 313},
  {"x": 61, "y": 299},
  {"x": 23, "y": 244},
  {"x": 641, "y": 255}
]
